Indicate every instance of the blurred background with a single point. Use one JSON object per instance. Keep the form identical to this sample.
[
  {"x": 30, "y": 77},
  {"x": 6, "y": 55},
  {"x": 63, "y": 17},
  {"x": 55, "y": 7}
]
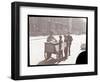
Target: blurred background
[{"x": 41, "y": 26}]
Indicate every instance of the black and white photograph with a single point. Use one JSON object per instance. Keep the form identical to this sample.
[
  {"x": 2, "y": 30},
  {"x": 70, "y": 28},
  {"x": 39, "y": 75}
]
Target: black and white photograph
[
  {"x": 56, "y": 40},
  {"x": 53, "y": 40}
]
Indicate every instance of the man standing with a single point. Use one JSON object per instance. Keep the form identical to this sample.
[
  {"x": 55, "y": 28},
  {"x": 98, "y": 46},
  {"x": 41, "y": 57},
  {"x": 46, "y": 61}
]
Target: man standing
[
  {"x": 66, "y": 47},
  {"x": 51, "y": 40},
  {"x": 69, "y": 42},
  {"x": 60, "y": 55}
]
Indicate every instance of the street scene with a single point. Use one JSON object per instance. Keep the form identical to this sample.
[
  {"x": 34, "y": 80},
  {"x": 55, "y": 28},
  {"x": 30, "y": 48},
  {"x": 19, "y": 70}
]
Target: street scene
[{"x": 56, "y": 40}]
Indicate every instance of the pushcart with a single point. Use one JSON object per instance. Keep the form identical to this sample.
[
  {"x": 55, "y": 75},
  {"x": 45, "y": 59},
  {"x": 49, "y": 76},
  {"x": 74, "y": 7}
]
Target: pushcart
[{"x": 51, "y": 48}]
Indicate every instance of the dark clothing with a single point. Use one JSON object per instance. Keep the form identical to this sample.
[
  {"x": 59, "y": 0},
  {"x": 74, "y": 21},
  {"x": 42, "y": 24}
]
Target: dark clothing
[
  {"x": 66, "y": 52},
  {"x": 66, "y": 47},
  {"x": 69, "y": 39},
  {"x": 60, "y": 44},
  {"x": 69, "y": 42},
  {"x": 60, "y": 49},
  {"x": 51, "y": 41}
]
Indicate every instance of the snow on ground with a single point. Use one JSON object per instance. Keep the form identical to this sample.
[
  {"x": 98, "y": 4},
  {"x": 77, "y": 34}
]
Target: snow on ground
[{"x": 37, "y": 49}]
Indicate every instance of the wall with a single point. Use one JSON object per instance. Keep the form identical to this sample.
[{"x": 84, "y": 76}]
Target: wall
[{"x": 5, "y": 41}]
